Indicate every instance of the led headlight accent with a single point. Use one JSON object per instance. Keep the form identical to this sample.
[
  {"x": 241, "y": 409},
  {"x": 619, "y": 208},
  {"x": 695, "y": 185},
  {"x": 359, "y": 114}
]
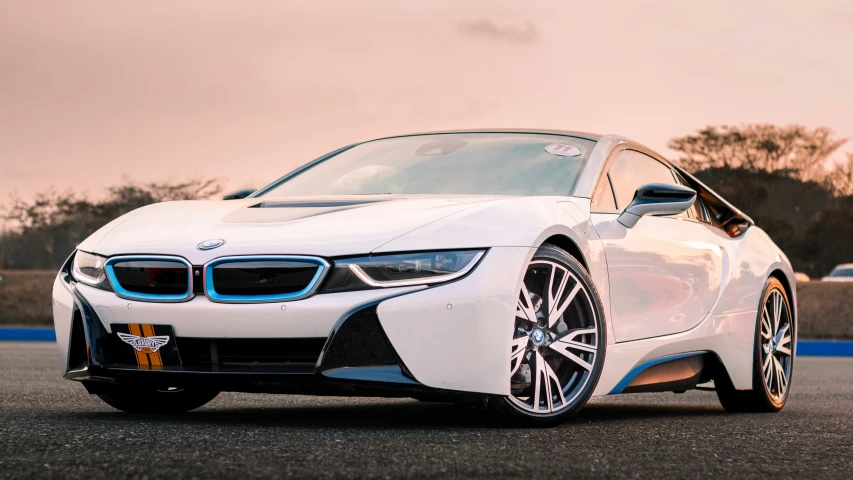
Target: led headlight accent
[
  {"x": 402, "y": 269},
  {"x": 89, "y": 269}
]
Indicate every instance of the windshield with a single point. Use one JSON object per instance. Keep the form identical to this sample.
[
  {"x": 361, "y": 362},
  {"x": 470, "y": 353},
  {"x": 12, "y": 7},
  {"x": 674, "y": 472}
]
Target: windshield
[
  {"x": 842, "y": 272},
  {"x": 453, "y": 163}
]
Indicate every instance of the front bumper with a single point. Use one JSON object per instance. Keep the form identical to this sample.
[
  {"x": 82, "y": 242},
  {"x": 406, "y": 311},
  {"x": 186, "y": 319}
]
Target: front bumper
[
  {"x": 453, "y": 337},
  {"x": 355, "y": 360}
]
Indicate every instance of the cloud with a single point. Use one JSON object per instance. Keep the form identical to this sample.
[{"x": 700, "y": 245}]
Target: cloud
[{"x": 526, "y": 33}]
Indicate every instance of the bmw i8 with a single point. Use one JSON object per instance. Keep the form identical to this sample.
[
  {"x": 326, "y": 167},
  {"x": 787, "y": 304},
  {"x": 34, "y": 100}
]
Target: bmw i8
[{"x": 521, "y": 270}]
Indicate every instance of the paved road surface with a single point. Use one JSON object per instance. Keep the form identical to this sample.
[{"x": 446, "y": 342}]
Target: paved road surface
[{"x": 51, "y": 428}]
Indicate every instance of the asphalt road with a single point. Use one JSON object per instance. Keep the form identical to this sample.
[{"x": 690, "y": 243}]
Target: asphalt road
[{"x": 50, "y": 427}]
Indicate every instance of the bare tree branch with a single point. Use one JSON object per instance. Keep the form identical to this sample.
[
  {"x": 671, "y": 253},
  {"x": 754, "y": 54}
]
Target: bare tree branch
[
  {"x": 47, "y": 228},
  {"x": 800, "y": 152}
]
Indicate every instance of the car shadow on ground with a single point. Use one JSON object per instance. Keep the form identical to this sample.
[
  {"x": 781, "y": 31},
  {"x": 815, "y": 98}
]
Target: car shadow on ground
[{"x": 405, "y": 415}]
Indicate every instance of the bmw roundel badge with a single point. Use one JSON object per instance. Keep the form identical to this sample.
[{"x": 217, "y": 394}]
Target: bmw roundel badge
[{"x": 211, "y": 244}]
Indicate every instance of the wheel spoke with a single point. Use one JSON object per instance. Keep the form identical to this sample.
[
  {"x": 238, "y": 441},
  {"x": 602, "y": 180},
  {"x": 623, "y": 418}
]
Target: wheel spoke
[
  {"x": 554, "y": 298},
  {"x": 776, "y": 377},
  {"x": 537, "y": 380},
  {"x": 545, "y": 376},
  {"x": 562, "y": 348},
  {"x": 784, "y": 377},
  {"x": 777, "y": 310},
  {"x": 570, "y": 337},
  {"x": 578, "y": 346},
  {"x": 558, "y": 312},
  {"x": 525, "y": 311},
  {"x": 781, "y": 333},
  {"x": 578, "y": 332},
  {"x": 783, "y": 339},
  {"x": 519, "y": 348},
  {"x": 766, "y": 328},
  {"x": 766, "y": 368},
  {"x": 782, "y": 380},
  {"x": 555, "y": 381}
]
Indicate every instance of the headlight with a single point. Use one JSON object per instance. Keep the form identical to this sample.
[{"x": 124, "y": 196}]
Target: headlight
[
  {"x": 401, "y": 270},
  {"x": 89, "y": 269}
]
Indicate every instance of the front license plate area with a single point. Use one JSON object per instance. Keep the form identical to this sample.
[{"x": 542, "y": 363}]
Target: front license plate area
[{"x": 148, "y": 346}]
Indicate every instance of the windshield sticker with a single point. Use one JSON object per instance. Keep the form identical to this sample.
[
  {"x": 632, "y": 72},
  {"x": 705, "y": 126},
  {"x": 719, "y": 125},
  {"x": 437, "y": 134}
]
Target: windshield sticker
[{"x": 563, "y": 150}]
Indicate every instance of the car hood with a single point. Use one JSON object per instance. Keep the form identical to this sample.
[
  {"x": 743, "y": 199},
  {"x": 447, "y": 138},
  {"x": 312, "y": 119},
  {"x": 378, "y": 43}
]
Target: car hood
[{"x": 329, "y": 226}]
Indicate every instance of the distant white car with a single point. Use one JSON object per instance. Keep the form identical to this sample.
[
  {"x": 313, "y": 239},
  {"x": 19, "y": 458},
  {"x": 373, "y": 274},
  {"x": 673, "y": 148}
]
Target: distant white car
[
  {"x": 841, "y": 273},
  {"x": 526, "y": 270}
]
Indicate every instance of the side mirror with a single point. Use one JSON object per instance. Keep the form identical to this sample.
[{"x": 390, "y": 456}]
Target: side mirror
[
  {"x": 239, "y": 194},
  {"x": 657, "y": 199}
]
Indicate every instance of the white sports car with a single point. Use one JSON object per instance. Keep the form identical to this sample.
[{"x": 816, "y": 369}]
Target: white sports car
[{"x": 521, "y": 270}]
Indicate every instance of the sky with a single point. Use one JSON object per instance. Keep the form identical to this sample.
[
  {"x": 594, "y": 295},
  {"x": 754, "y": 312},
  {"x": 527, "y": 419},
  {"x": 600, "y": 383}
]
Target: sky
[{"x": 94, "y": 94}]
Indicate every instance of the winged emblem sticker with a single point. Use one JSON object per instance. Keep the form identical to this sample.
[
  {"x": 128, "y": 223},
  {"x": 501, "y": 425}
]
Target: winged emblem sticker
[{"x": 154, "y": 343}]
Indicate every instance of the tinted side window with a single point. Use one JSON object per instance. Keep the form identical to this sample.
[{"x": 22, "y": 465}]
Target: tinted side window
[{"x": 631, "y": 170}]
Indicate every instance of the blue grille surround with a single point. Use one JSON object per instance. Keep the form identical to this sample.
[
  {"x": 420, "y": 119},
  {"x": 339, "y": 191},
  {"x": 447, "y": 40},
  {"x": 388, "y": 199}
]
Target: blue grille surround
[
  {"x": 213, "y": 295},
  {"x": 149, "y": 297}
]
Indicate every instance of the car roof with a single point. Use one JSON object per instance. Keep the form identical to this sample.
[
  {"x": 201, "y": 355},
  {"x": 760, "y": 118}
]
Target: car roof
[
  {"x": 536, "y": 131},
  {"x": 843, "y": 265}
]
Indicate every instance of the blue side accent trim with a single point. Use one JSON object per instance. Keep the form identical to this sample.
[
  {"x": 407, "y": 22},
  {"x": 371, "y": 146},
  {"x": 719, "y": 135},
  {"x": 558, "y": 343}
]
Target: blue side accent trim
[
  {"x": 213, "y": 295},
  {"x": 27, "y": 334},
  {"x": 650, "y": 363},
  {"x": 825, "y": 348},
  {"x": 147, "y": 297},
  {"x": 384, "y": 374}
]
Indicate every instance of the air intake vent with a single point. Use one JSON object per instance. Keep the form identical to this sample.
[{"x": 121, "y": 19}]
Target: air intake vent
[{"x": 249, "y": 353}]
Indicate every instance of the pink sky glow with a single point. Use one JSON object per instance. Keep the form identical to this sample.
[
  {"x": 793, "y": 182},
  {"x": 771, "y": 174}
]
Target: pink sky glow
[{"x": 95, "y": 93}]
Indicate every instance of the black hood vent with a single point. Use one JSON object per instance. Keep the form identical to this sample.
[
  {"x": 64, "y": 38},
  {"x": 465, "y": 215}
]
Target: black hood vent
[{"x": 340, "y": 204}]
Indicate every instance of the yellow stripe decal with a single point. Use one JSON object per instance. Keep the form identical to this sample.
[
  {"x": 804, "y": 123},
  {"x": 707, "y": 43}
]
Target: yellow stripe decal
[
  {"x": 141, "y": 358},
  {"x": 154, "y": 358}
]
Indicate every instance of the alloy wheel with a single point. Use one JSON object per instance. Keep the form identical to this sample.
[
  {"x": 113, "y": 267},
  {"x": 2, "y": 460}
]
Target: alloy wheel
[
  {"x": 555, "y": 342},
  {"x": 776, "y": 344}
]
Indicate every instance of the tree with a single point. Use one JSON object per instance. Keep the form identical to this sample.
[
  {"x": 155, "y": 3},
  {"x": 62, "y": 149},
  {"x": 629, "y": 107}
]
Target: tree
[
  {"x": 842, "y": 177},
  {"x": 793, "y": 149},
  {"x": 51, "y": 225},
  {"x": 778, "y": 176}
]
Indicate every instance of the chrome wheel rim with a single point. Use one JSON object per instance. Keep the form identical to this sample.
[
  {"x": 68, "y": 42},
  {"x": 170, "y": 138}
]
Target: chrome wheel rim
[
  {"x": 776, "y": 344},
  {"x": 555, "y": 341}
]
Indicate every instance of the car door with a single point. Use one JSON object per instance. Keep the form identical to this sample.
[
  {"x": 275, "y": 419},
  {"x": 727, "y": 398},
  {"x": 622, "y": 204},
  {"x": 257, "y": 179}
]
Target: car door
[{"x": 665, "y": 273}]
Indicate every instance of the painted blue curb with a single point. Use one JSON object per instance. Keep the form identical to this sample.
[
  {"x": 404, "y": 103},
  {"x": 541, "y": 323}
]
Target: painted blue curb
[
  {"x": 27, "y": 334},
  {"x": 825, "y": 348}
]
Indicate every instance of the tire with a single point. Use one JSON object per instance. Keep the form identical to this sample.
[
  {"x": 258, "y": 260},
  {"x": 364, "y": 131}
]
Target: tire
[
  {"x": 135, "y": 400},
  {"x": 768, "y": 394},
  {"x": 570, "y": 351}
]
